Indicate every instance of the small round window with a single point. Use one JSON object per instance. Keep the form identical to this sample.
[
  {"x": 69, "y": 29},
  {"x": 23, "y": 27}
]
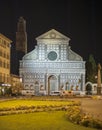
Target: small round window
[{"x": 52, "y": 55}]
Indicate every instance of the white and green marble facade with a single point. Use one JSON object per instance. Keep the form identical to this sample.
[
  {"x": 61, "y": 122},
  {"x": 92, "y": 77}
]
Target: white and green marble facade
[{"x": 52, "y": 66}]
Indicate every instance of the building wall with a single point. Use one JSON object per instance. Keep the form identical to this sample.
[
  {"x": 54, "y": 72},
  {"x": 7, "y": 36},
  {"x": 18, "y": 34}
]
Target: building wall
[
  {"x": 4, "y": 59},
  {"x": 52, "y": 65},
  {"x": 16, "y": 84},
  {"x": 21, "y": 36}
]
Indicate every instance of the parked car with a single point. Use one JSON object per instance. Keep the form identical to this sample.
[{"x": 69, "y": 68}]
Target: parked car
[
  {"x": 65, "y": 93},
  {"x": 55, "y": 93}
]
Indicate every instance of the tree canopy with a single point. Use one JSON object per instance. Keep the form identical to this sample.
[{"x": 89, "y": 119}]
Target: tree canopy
[{"x": 91, "y": 69}]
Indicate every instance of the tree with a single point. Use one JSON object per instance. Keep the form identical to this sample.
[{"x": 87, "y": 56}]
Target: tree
[
  {"x": 91, "y": 69},
  {"x": 8, "y": 91}
]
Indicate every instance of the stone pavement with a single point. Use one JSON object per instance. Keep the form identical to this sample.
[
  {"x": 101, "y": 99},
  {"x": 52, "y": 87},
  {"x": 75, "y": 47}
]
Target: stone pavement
[{"x": 92, "y": 106}]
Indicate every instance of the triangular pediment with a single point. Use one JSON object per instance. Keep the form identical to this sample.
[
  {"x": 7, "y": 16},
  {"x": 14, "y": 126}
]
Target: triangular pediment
[{"x": 52, "y": 34}]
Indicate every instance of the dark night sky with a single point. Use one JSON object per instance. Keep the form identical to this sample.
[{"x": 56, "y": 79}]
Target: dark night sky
[{"x": 81, "y": 20}]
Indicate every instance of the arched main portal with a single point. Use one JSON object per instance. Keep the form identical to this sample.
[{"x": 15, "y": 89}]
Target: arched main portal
[{"x": 52, "y": 84}]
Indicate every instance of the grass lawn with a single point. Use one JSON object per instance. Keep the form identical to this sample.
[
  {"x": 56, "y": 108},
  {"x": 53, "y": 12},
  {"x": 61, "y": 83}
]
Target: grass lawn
[{"x": 39, "y": 121}]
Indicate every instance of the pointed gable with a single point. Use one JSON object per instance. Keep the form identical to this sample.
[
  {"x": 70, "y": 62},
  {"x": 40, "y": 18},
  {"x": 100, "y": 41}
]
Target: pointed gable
[{"x": 52, "y": 35}]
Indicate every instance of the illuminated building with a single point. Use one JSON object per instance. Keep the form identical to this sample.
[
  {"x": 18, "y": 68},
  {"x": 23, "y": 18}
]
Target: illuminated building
[
  {"x": 52, "y": 66},
  {"x": 4, "y": 59},
  {"x": 15, "y": 84}
]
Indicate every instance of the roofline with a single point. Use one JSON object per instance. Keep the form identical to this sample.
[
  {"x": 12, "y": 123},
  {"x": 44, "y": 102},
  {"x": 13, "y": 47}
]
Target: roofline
[
  {"x": 6, "y": 38},
  {"x": 37, "y": 38}
]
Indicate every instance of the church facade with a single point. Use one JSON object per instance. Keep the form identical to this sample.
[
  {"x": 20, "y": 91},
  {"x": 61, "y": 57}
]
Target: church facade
[{"x": 52, "y": 66}]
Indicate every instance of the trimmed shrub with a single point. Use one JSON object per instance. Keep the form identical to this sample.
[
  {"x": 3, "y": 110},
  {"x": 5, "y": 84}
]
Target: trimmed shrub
[{"x": 75, "y": 115}]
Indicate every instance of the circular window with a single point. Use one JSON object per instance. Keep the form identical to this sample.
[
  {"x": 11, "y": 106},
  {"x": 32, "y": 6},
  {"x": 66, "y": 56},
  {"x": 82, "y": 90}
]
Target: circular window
[{"x": 52, "y": 55}]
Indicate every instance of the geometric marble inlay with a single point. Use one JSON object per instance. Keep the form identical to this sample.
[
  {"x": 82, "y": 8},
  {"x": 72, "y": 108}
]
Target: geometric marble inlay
[{"x": 52, "y": 66}]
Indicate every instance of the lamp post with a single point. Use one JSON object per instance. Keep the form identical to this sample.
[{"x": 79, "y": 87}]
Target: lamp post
[{"x": 99, "y": 80}]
